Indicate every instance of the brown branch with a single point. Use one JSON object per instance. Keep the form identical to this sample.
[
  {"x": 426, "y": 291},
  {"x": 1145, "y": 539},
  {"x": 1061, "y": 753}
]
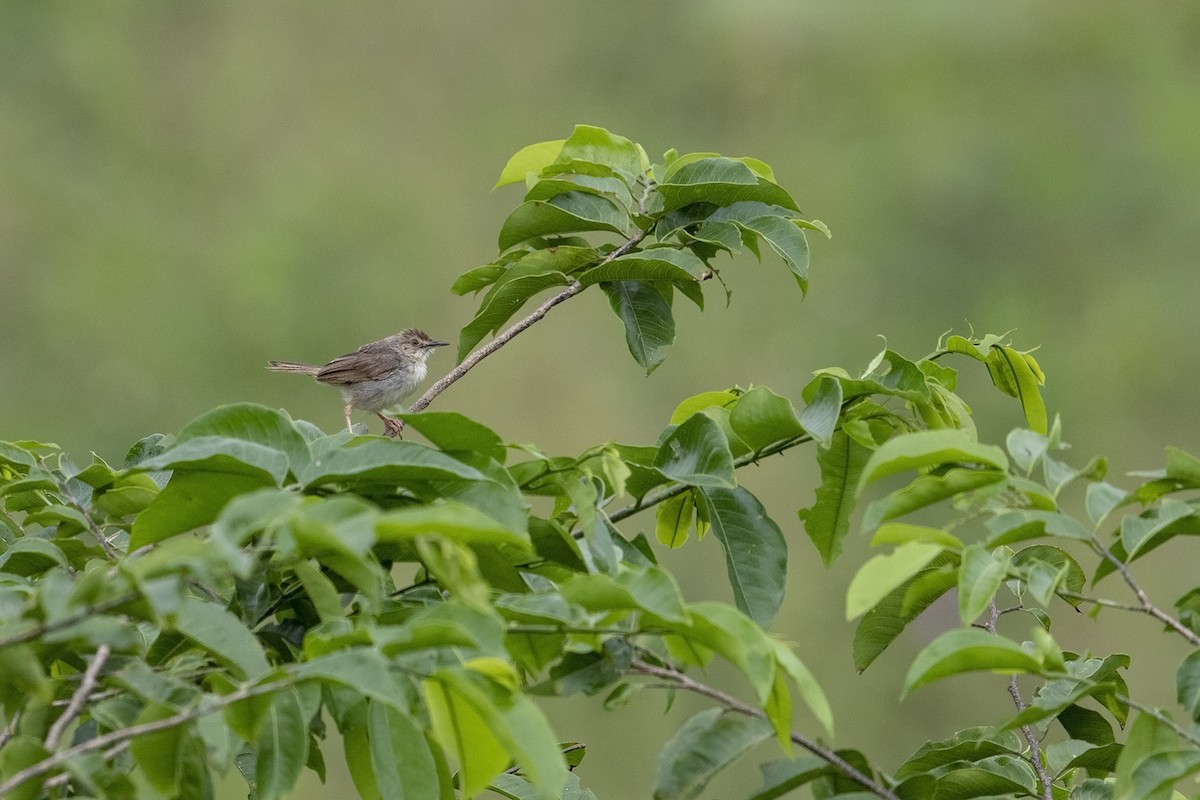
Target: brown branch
[
  {"x": 504, "y": 338},
  {"x": 119, "y": 737},
  {"x": 91, "y": 677},
  {"x": 1014, "y": 691},
  {"x": 682, "y": 681}
]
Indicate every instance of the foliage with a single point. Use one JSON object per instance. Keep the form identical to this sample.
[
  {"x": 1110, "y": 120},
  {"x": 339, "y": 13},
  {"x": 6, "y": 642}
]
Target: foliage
[{"x": 229, "y": 592}]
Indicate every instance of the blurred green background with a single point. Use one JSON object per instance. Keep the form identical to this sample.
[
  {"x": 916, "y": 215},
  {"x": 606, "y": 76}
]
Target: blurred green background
[{"x": 190, "y": 189}]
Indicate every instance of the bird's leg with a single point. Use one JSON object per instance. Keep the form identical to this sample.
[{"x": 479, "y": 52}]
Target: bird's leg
[
  {"x": 391, "y": 427},
  {"x": 349, "y": 425}
]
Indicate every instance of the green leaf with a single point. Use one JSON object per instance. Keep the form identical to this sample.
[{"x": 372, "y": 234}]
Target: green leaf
[
  {"x": 532, "y": 158},
  {"x": 483, "y": 725},
  {"x": 760, "y": 418},
  {"x": 251, "y": 423},
  {"x": 572, "y": 212},
  {"x": 1101, "y": 499},
  {"x": 720, "y": 181},
  {"x": 1187, "y": 685},
  {"x": 158, "y": 754},
  {"x": 903, "y": 533},
  {"x": 401, "y": 759},
  {"x": 979, "y": 576},
  {"x": 705, "y": 745},
  {"x": 1024, "y": 382},
  {"x": 449, "y": 519},
  {"x": 755, "y": 551},
  {"x": 594, "y": 145},
  {"x": 1016, "y": 526},
  {"x": 646, "y": 315},
  {"x": 666, "y": 264},
  {"x": 673, "y": 519},
  {"x": 530, "y": 275},
  {"x": 189, "y": 500},
  {"x": 1152, "y": 762},
  {"x": 389, "y": 462},
  {"x": 883, "y": 573},
  {"x": 452, "y": 432},
  {"x": 652, "y": 589},
  {"x": 20, "y": 752},
  {"x": 828, "y": 520},
  {"x": 820, "y": 417},
  {"x": 479, "y": 278},
  {"x": 1152, "y": 527},
  {"x": 926, "y": 449},
  {"x": 925, "y": 490},
  {"x": 223, "y": 455},
  {"x": 967, "y": 650},
  {"x": 967, "y": 746},
  {"x": 786, "y": 774},
  {"x": 700, "y": 402},
  {"x": 806, "y": 684},
  {"x": 282, "y": 746},
  {"x": 222, "y": 634},
  {"x": 697, "y": 453}
]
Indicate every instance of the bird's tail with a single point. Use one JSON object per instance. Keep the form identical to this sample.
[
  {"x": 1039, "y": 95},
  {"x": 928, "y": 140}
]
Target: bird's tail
[{"x": 293, "y": 366}]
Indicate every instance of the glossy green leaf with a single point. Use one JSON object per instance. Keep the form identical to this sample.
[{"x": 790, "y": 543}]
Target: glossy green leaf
[
  {"x": 531, "y": 158},
  {"x": 1025, "y": 382},
  {"x": 651, "y": 589},
  {"x": 282, "y": 746},
  {"x": 646, "y": 315},
  {"x": 573, "y": 212},
  {"x": 595, "y": 145},
  {"x": 828, "y": 520},
  {"x": 677, "y": 267},
  {"x": 1016, "y": 526},
  {"x": 806, "y": 684},
  {"x": 903, "y": 533},
  {"x": 980, "y": 575},
  {"x": 387, "y": 461},
  {"x": 1153, "y": 527},
  {"x": 190, "y": 500},
  {"x": 755, "y": 550},
  {"x": 760, "y": 418},
  {"x": 250, "y": 423},
  {"x": 529, "y": 276},
  {"x": 722, "y": 182},
  {"x": 1101, "y": 499},
  {"x": 967, "y": 746},
  {"x": 705, "y": 745},
  {"x": 697, "y": 453},
  {"x": 223, "y": 455},
  {"x": 883, "y": 573},
  {"x": 451, "y": 431},
  {"x": 701, "y": 402},
  {"x": 450, "y": 519},
  {"x": 967, "y": 650},
  {"x": 925, "y": 449},
  {"x": 479, "y": 278}
]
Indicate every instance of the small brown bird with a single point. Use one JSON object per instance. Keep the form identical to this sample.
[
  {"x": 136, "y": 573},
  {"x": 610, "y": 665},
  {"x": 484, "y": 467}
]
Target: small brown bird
[{"x": 375, "y": 376}]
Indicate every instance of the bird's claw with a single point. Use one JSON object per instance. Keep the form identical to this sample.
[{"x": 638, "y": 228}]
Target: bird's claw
[{"x": 392, "y": 427}]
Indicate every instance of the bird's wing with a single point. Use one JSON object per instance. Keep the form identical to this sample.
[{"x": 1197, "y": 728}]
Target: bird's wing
[{"x": 370, "y": 362}]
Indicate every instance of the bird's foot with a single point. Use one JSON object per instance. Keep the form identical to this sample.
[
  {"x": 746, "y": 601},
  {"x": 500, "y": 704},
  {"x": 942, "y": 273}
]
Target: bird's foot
[{"x": 391, "y": 427}]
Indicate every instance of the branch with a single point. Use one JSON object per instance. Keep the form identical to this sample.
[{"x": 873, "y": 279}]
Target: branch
[
  {"x": 1143, "y": 600},
  {"x": 824, "y": 753},
  {"x": 67, "y": 621},
  {"x": 1035, "y": 745},
  {"x": 90, "y": 678},
  {"x": 667, "y": 494},
  {"x": 502, "y": 339},
  {"x": 119, "y": 737}
]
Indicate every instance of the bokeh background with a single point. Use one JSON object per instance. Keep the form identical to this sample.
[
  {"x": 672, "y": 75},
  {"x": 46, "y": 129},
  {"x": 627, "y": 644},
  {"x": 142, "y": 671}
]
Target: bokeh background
[{"x": 190, "y": 189}]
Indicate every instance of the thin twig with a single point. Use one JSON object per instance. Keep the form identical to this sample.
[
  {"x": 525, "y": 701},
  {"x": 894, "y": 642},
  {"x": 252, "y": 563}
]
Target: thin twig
[
  {"x": 1146, "y": 606},
  {"x": 503, "y": 338},
  {"x": 118, "y": 737},
  {"x": 1031, "y": 737},
  {"x": 63, "y": 778},
  {"x": 746, "y": 460},
  {"x": 682, "y": 681},
  {"x": 68, "y": 621},
  {"x": 91, "y": 677}
]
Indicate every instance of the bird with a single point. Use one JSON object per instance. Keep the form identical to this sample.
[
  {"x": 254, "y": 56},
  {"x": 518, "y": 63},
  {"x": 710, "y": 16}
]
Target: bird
[{"x": 375, "y": 376}]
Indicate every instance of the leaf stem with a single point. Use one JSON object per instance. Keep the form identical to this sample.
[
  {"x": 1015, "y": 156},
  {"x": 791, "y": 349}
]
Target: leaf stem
[
  {"x": 504, "y": 338},
  {"x": 682, "y": 681}
]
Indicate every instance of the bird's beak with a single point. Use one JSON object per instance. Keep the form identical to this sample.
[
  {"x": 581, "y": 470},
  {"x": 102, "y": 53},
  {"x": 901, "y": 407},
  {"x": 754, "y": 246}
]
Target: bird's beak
[{"x": 437, "y": 344}]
